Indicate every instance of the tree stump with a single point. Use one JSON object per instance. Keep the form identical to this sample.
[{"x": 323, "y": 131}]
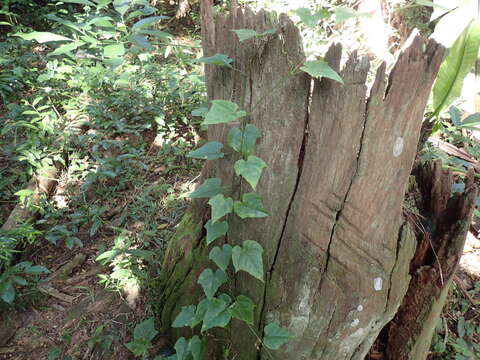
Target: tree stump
[{"x": 337, "y": 246}]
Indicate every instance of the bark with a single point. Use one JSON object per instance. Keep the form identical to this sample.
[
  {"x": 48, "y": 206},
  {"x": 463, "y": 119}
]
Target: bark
[
  {"x": 441, "y": 223},
  {"x": 337, "y": 248}
]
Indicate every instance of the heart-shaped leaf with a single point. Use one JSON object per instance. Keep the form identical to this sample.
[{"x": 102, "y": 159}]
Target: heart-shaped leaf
[
  {"x": 223, "y": 111},
  {"x": 211, "y": 281},
  {"x": 221, "y": 206},
  {"x": 274, "y": 336},
  {"x": 209, "y": 151},
  {"x": 217, "y": 59},
  {"x": 248, "y": 257},
  {"x": 250, "y": 207},
  {"x": 215, "y": 230},
  {"x": 209, "y": 188},
  {"x": 221, "y": 256},
  {"x": 242, "y": 309},
  {"x": 185, "y": 317},
  {"x": 243, "y": 141},
  {"x": 251, "y": 169},
  {"x": 319, "y": 69}
]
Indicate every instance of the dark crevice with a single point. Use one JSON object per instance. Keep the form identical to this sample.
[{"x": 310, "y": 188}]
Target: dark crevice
[{"x": 287, "y": 213}]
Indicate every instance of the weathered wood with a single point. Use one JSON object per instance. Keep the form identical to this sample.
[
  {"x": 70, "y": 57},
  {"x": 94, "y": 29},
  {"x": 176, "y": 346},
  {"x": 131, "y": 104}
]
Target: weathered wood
[
  {"x": 337, "y": 249},
  {"x": 441, "y": 223}
]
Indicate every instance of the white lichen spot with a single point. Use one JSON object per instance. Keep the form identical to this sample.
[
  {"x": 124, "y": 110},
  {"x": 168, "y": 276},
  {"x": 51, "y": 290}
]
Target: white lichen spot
[
  {"x": 355, "y": 323},
  {"x": 398, "y": 147},
  {"x": 359, "y": 308},
  {"x": 377, "y": 283}
]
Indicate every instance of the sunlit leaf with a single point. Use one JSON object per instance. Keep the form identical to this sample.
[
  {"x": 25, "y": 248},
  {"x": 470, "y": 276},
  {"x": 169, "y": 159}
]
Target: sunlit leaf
[
  {"x": 43, "y": 37},
  {"x": 147, "y": 22},
  {"x": 114, "y": 50},
  {"x": 223, "y": 111},
  {"x": 319, "y": 69}
]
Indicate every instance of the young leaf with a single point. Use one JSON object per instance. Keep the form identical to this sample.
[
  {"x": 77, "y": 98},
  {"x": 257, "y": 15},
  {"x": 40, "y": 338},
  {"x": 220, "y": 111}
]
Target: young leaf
[
  {"x": 455, "y": 67},
  {"x": 145, "y": 330},
  {"x": 185, "y": 317},
  {"x": 319, "y": 69},
  {"x": 250, "y": 207},
  {"x": 217, "y": 59},
  {"x": 275, "y": 336},
  {"x": 249, "y": 258},
  {"x": 43, "y": 37},
  {"x": 113, "y": 51},
  {"x": 216, "y": 314},
  {"x": 242, "y": 309},
  {"x": 209, "y": 151},
  {"x": 209, "y": 188},
  {"x": 223, "y": 111},
  {"x": 221, "y": 206},
  {"x": 221, "y": 256},
  {"x": 139, "y": 347},
  {"x": 211, "y": 281},
  {"x": 215, "y": 230},
  {"x": 245, "y": 34},
  {"x": 195, "y": 347},
  {"x": 243, "y": 142},
  {"x": 251, "y": 169},
  {"x": 181, "y": 348}
]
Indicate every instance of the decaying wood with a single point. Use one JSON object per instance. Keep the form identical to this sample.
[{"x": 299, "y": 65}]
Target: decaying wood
[
  {"x": 441, "y": 228},
  {"x": 337, "y": 249}
]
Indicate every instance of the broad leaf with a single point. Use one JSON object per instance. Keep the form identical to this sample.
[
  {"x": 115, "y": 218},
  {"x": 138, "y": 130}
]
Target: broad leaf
[
  {"x": 455, "y": 67},
  {"x": 245, "y": 34},
  {"x": 43, "y": 37},
  {"x": 221, "y": 256},
  {"x": 244, "y": 141},
  {"x": 147, "y": 22},
  {"x": 215, "y": 230},
  {"x": 216, "y": 314},
  {"x": 121, "y": 6},
  {"x": 471, "y": 120},
  {"x": 211, "y": 281},
  {"x": 251, "y": 169},
  {"x": 251, "y": 206},
  {"x": 195, "y": 347},
  {"x": 181, "y": 348},
  {"x": 319, "y": 69},
  {"x": 209, "y": 151},
  {"x": 248, "y": 257},
  {"x": 455, "y": 115},
  {"x": 82, "y": 2},
  {"x": 66, "y": 48},
  {"x": 139, "y": 347},
  {"x": 223, "y": 111},
  {"x": 7, "y": 291},
  {"x": 344, "y": 13},
  {"x": 114, "y": 50},
  {"x": 185, "y": 317},
  {"x": 145, "y": 330},
  {"x": 209, "y": 188},
  {"x": 242, "y": 309},
  {"x": 221, "y": 206},
  {"x": 217, "y": 59},
  {"x": 309, "y": 18},
  {"x": 200, "y": 112},
  {"x": 200, "y": 313},
  {"x": 36, "y": 270},
  {"x": 274, "y": 336}
]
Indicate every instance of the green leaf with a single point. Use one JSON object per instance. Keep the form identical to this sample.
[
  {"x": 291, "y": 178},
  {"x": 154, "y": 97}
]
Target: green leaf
[
  {"x": 19, "y": 280},
  {"x": 250, "y": 207},
  {"x": 217, "y": 59},
  {"x": 251, "y": 169},
  {"x": 43, "y": 37},
  {"x": 185, "y": 317},
  {"x": 223, "y": 111},
  {"x": 121, "y": 6},
  {"x": 245, "y": 34},
  {"x": 113, "y": 51},
  {"x": 200, "y": 112},
  {"x": 249, "y": 258},
  {"x": 200, "y": 313},
  {"x": 209, "y": 151},
  {"x": 221, "y": 256},
  {"x": 244, "y": 141},
  {"x": 471, "y": 120},
  {"x": 54, "y": 353},
  {"x": 66, "y": 48},
  {"x": 147, "y": 21},
  {"x": 458, "y": 63},
  {"x": 309, "y": 18},
  {"x": 343, "y": 13},
  {"x": 209, "y": 188},
  {"x": 36, "y": 270},
  {"x": 319, "y": 69},
  {"x": 181, "y": 347},
  {"x": 145, "y": 330},
  {"x": 275, "y": 336},
  {"x": 216, "y": 314},
  {"x": 455, "y": 115},
  {"x": 221, "y": 206},
  {"x": 7, "y": 291},
  {"x": 242, "y": 309},
  {"x": 139, "y": 346},
  {"x": 195, "y": 347},
  {"x": 141, "y": 41},
  {"x": 211, "y": 281},
  {"x": 82, "y": 2},
  {"x": 215, "y": 230}
]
